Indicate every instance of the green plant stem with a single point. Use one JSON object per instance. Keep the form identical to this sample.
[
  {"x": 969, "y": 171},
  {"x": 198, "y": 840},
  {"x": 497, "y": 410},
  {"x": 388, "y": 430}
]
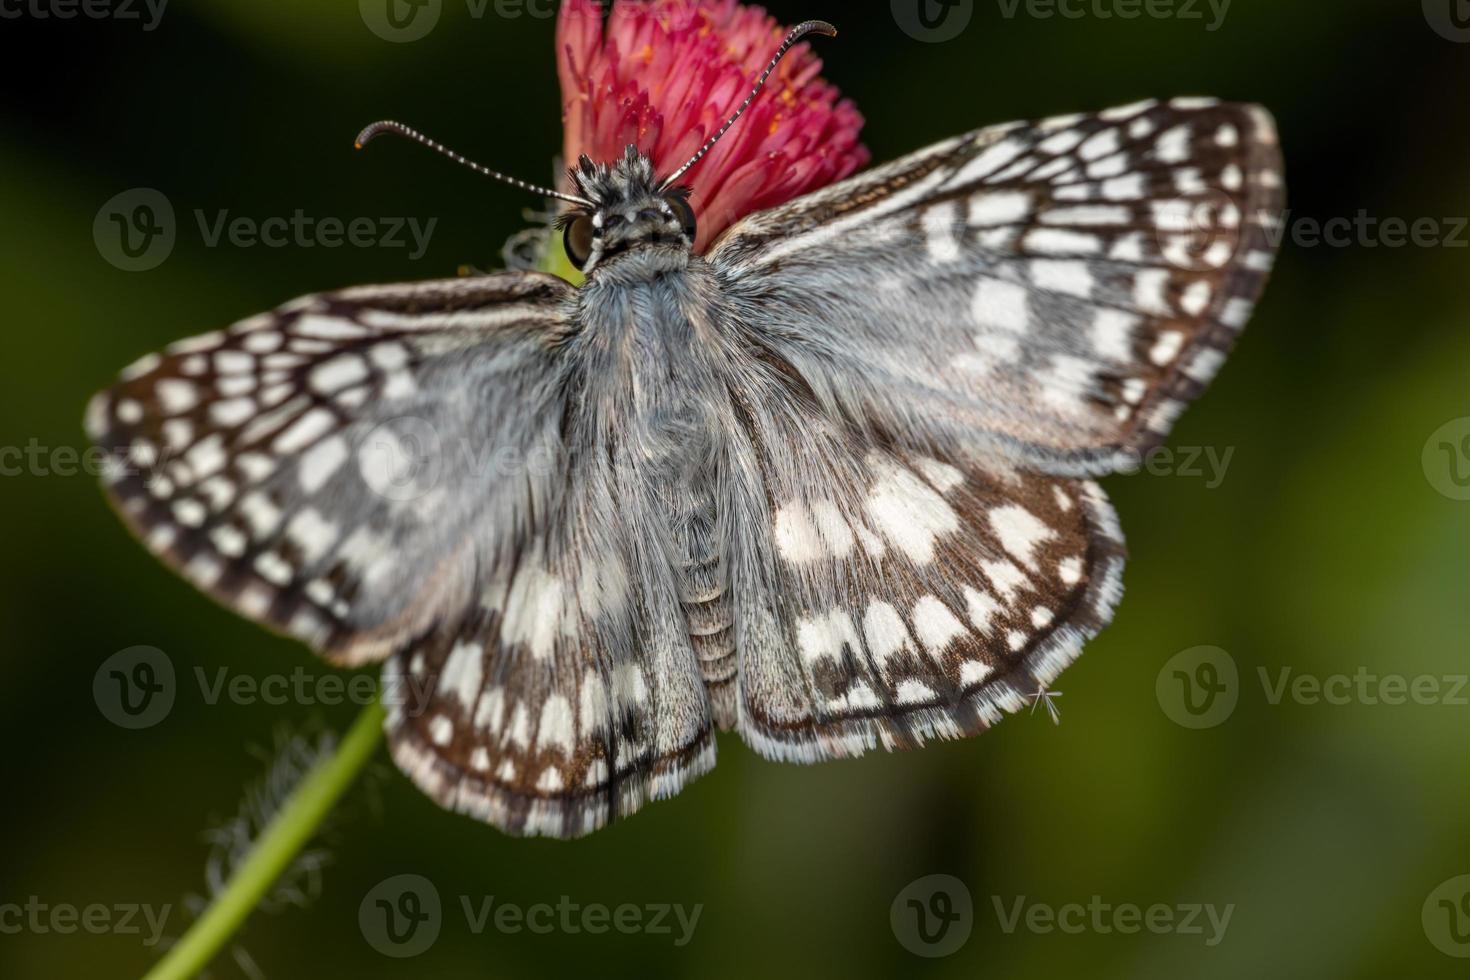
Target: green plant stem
[{"x": 294, "y": 825}]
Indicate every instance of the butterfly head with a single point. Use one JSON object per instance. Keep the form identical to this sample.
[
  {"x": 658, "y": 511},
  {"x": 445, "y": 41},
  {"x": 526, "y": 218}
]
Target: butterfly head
[
  {"x": 622, "y": 206},
  {"x": 629, "y": 208}
]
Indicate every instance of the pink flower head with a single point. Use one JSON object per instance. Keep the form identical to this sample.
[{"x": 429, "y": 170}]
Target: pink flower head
[{"x": 664, "y": 75}]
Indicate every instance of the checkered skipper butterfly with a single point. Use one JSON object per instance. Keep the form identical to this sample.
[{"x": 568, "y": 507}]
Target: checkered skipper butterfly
[{"x": 828, "y": 485}]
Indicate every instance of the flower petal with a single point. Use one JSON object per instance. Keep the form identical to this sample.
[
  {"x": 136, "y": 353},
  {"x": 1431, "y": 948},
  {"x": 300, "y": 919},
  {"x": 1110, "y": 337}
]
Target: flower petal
[{"x": 665, "y": 74}]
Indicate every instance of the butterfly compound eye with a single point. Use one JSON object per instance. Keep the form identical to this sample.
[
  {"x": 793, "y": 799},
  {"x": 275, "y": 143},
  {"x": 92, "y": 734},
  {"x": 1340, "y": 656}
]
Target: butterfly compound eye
[
  {"x": 578, "y": 240},
  {"x": 685, "y": 214}
]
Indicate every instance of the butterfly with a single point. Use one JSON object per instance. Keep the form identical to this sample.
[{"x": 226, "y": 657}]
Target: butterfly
[{"x": 830, "y": 485}]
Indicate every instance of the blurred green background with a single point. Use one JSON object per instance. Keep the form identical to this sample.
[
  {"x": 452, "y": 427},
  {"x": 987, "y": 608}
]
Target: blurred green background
[{"x": 1333, "y": 544}]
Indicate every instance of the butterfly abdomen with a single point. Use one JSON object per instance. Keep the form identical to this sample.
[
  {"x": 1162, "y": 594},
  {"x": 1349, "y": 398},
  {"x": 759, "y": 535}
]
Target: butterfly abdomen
[
  {"x": 704, "y": 592},
  {"x": 686, "y": 470}
]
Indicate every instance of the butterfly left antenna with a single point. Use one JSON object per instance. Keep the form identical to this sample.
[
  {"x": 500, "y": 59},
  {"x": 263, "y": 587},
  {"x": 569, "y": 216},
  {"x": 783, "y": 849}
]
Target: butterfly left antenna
[
  {"x": 397, "y": 128},
  {"x": 797, "y": 33}
]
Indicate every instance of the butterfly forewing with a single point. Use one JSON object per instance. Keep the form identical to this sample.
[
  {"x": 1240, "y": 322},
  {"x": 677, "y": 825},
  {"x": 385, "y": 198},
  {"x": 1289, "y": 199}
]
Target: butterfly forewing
[
  {"x": 335, "y": 468},
  {"x": 1052, "y": 291}
]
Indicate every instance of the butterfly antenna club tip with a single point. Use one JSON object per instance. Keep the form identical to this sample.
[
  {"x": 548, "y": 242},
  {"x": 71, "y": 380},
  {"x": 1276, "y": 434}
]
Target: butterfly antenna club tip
[{"x": 371, "y": 132}]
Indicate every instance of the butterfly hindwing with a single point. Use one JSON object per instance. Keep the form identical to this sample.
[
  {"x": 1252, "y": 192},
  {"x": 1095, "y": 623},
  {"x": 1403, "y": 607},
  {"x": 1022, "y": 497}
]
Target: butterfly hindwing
[
  {"x": 904, "y": 598},
  {"x": 563, "y": 701},
  {"x": 1054, "y": 292}
]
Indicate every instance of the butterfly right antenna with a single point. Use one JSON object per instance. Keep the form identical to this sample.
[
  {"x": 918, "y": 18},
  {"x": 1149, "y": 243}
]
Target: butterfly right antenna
[{"x": 797, "y": 33}]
